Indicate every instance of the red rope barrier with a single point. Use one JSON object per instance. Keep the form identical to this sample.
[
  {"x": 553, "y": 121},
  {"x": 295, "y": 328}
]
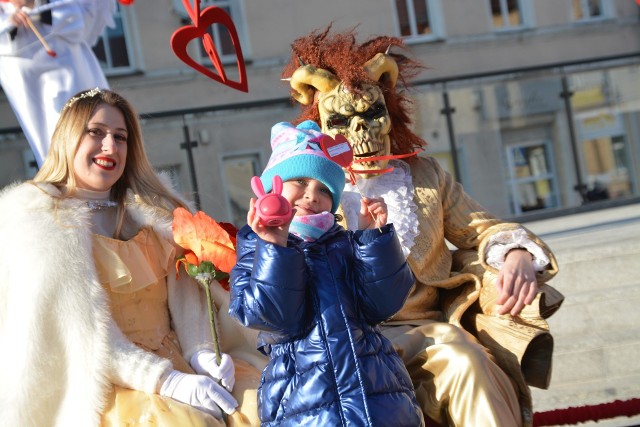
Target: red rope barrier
[{"x": 580, "y": 414}]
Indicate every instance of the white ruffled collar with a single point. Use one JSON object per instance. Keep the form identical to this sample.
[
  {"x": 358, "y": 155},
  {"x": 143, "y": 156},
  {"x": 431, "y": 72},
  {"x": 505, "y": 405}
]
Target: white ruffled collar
[{"x": 396, "y": 187}]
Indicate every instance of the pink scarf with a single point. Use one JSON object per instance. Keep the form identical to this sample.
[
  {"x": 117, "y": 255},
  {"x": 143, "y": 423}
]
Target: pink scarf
[{"x": 311, "y": 227}]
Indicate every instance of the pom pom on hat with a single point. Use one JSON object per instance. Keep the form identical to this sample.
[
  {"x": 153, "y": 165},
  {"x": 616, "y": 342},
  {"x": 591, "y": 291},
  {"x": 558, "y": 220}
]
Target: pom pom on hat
[{"x": 297, "y": 154}]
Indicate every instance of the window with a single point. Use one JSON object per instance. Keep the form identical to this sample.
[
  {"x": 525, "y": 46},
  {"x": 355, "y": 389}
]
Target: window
[
  {"x": 506, "y": 14},
  {"x": 113, "y": 49},
  {"x": 606, "y": 154},
  {"x": 219, "y": 33},
  {"x": 585, "y": 10},
  {"x": 607, "y": 161},
  {"x": 532, "y": 182},
  {"x": 419, "y": 18},
  {"x": 238, "y": 171}
]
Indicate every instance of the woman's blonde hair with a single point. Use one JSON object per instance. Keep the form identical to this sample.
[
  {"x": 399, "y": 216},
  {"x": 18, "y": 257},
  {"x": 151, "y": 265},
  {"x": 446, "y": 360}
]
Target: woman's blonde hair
[{"x": 139, "y": 176}]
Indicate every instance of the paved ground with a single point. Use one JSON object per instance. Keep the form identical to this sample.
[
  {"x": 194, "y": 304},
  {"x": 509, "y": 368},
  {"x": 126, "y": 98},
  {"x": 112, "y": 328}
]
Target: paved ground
[{"x": 597, "y": 330}]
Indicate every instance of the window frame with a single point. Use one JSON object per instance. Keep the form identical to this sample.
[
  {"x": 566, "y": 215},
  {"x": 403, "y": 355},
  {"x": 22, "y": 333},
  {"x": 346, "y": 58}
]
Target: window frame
[
  {"x": 127, "y": 17},
  {"x": 514, "y": 181},
  {"x": 615, "y": 132},
  {"x": 605, "y": 6},
  {"x": 527, "y": 14},
  {"x": 434, "y": 10}
]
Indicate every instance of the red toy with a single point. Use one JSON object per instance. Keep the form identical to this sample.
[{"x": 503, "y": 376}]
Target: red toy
[{"x": 272, "y": 209}]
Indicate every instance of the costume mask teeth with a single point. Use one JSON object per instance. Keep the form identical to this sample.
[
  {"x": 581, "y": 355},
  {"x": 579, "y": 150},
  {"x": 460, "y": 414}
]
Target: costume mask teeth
[{"x": 364, "y": 120}]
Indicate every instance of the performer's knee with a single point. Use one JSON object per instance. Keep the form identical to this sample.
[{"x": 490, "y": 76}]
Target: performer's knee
[{"x": 459, "y": 353}]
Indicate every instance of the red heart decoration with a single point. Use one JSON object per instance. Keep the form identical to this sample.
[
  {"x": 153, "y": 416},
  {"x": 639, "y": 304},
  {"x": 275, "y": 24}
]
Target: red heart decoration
[
  {"x": 182, "y": 36},
  {"x": 194, "y": 12},
  {"x": 126, "y": 2},
  {"x": 337, "y": 149}
]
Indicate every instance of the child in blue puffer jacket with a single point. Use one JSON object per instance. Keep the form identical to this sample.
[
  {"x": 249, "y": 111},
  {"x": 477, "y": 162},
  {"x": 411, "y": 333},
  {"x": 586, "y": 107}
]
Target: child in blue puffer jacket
[{"x": 317, "y": 292}]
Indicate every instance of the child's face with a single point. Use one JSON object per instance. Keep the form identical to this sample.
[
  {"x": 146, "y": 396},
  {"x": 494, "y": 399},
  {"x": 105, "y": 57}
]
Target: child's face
[{"x": 308, "y": 196}]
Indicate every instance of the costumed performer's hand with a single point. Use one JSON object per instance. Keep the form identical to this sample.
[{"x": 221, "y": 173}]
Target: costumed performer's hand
[
  {"x": 20, "y": 17},
  {"x": 371, "y": 208},
  {"x": 276, "y": 235},
  {"x": 204, "y": 363},
  {"x": 199, "y": 391},
  {"x": 516, "y": 283}
]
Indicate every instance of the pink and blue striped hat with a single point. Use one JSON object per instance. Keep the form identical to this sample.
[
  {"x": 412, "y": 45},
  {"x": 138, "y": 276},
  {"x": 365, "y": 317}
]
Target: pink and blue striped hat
[{"x": 297, "y": 154}]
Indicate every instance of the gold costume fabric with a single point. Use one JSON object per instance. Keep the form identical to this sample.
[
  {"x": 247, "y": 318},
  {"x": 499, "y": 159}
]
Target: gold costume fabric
[
  {"x": 453, "y": 371},
  {"x": 134, "y": 274},
  {"x": 447, "y": 364}
]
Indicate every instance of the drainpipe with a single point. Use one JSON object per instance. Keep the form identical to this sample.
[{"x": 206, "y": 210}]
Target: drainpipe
[
  {"x": 447, "y": 111},
  {"x": 188, "y": 145},
  {"x": 566, "y": 95}
]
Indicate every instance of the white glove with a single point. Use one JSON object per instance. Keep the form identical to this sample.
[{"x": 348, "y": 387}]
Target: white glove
[
  {"x": 200, "y": 392},
  {"x": 204, "y": 363}
]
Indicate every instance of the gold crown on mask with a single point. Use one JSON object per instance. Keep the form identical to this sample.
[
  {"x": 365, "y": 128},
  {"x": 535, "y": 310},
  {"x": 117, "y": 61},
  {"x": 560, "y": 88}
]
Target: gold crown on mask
[{"x": 88, "y": 94}]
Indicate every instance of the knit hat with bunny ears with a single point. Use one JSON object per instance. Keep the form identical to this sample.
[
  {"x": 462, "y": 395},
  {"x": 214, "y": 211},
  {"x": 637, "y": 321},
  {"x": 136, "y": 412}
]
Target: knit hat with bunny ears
[{"x": 297, "y": 154}]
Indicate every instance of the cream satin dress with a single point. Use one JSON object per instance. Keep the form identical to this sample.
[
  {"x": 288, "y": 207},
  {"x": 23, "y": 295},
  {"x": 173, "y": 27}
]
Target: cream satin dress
[{"x": 134, "y": 272}]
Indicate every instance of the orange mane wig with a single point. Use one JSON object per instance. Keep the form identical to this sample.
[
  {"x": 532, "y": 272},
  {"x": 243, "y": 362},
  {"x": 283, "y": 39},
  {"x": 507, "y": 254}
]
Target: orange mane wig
[{"x": 340, "y": 54}]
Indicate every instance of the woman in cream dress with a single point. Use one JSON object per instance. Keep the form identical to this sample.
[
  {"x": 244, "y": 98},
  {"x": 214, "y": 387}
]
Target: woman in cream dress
[{"x": 102, "y": 331}]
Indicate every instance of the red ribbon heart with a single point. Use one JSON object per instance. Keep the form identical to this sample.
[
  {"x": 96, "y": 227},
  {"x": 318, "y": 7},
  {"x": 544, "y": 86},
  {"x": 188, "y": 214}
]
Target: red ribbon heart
[
  {"x": 337, "y": 149},
  {"x": 194, "y": 12},
  {"x": 182, "y": 36}
]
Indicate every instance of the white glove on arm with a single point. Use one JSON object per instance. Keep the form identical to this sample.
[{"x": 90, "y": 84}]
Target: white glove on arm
[
  {"x": 204, "y": 363},
  {"x": 200, "y": 392}
]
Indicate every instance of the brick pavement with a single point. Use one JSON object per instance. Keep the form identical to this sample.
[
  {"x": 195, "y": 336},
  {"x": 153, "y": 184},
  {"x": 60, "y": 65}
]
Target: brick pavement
[{"x": 597, "y": 330}]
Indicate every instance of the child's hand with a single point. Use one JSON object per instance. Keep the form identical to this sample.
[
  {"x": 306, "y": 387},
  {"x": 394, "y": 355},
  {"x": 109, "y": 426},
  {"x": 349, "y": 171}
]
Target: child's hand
[
  {"x": 276, "y": 235},
  {"x": 370, "y": 209}
]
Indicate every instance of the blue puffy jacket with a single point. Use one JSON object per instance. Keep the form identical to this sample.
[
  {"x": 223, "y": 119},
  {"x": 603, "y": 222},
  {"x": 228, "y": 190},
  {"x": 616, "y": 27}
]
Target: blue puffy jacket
[{"x": 317, "y": 305}]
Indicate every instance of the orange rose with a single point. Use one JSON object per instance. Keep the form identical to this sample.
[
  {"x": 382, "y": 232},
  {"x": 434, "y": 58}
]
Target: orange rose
[
  {"x": 210, "y": 254},
  {"x": 204, "y": 241}
]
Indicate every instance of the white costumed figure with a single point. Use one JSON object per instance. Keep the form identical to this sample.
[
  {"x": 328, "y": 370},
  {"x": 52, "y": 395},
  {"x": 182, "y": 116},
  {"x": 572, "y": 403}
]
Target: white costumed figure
[{"x": 37, "y": 82}]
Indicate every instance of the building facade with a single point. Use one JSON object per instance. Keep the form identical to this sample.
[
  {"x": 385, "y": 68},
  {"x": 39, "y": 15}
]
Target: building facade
[{"x": 534, "y": 105}]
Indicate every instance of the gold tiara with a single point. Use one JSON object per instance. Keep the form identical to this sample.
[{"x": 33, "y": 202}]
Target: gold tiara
[{"x": 88, "y": 94}]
